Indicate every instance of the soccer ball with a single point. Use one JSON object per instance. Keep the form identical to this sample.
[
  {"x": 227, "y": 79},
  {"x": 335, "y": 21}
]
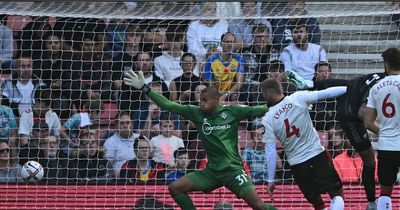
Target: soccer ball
[{"x": 32, "y": 171}]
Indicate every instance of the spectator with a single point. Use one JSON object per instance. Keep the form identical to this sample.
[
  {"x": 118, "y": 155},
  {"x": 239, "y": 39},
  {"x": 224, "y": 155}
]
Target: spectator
[
  {"x": 119, "y": 146},
  {"x": 302, "y": 56},
  {"x": 8, "y": 125},
  {"x": 259, "y": 55},
  {"x": 336, "y": 141},
  {"x": 92, "y": 166},
  {"x": 187, "y": 82},
  {"x": 242, "y": 28},
  {"x": 116, "y": 34},
  {"x": 19, "y": 89},
  {"x": 323, "y": 71},
  {"x": 204, "y": 36},
  {"x": 132, "y": 99},
  {"x": 41, "y": 113},
  {"x": 142, "y": 169},
  {"x": 182, "y": 161},
  {"x": 225, "y": 70},
  {"x": 165, "y": 144},
  {"x": 125, "y": 61},
  {"x": 52, "y": 58},
  {"x": 6, "y": 46},
  {"x": 30, "y": 38},
  {"x": 30, "y": 151},
  {"x": 255, "y": 157},
  {"x": 348, "y": 164},
  {"x": 323, "y": 112},
  {"x": 9, "y": 171},
  {"x": 58, "y": 169},
  {"x": 282, "y": 28},
  {"x": 70, "y": 130},
  {"x": 167, "y": 65}
]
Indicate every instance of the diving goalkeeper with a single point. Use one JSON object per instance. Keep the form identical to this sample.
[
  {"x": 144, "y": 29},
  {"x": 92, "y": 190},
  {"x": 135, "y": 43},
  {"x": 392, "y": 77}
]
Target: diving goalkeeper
[{"x": 218, "y": 127}]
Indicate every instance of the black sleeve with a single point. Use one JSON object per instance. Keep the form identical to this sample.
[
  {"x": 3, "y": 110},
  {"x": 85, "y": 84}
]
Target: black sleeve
[{"x": 324, "y": 84}]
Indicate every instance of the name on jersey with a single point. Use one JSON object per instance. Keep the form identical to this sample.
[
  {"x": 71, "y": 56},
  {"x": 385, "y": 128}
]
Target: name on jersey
[
  {"x": 387, "y": 83},
  {"x": 282, "y": 110},
  {"x": 208, "y": 128}
]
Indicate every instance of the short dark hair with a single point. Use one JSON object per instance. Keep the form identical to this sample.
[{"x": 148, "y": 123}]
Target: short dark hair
[
  {"x": 323, "y": 63},
  {"x": 391, "y": 56},
  {"x": 260, "y": 28},
  {"x": 211, "y": 91},
  {"x": 298, "y": 23},
  {"x": 188, "y": 54},
  {"x": 137, "y": 139},
  {"x": 275, "y": 64},
  {"x": 175, "y": 34},
  {"x": 180, "y": 151},
  {"x": 226, "y": 34},
  {"x": 271, "y": 85}
]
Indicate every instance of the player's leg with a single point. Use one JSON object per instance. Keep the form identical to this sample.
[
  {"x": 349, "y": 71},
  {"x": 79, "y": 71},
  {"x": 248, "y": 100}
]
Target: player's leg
[
  {"x": 240, "y": 184},
  {"x": 197, "y": 181},
  {"x": 304, "y": 175},
  {"x": 329, "y": 180},
  {"x": 358, "y": 136},
  {"x": 388, "y": 164}
]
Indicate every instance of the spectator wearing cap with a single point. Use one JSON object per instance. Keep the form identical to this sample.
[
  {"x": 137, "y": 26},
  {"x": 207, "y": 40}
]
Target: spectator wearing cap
[
  {"x": 41, "y": 113},
  {"x": 70, "y": 130},
  {"x": 19, "y": 89},
  {"x": 92, "y": 165},
  {"x": 9, "y": 169},
  {"x": 119, "y": 146}
]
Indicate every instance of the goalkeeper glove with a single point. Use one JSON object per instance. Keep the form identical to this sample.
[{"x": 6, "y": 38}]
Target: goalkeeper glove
[{"x": 136, "y": 80}]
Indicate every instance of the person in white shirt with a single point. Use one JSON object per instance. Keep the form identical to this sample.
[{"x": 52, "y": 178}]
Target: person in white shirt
[
  {"x": 119, "y": 146},
  {"x": 41, "y": 112},
  {"x": 302, "y": 56},
  {"x": 204, "y": 36},
  {"x": 288, "y": 121},
  {"x": 167, "y": 66},
  {"x": 382, "y": 117},
  {"x": 19, "y": 89},
  {"x": 165, "y": 144}
]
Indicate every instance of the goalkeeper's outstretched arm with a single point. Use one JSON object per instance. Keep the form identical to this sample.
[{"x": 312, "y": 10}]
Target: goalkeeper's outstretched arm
[{"x": 137, "y": 81}]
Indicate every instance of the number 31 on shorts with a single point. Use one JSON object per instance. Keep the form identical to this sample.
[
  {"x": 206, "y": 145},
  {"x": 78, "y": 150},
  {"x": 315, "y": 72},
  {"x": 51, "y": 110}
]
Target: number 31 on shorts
[{"x": 242, "y": 178}]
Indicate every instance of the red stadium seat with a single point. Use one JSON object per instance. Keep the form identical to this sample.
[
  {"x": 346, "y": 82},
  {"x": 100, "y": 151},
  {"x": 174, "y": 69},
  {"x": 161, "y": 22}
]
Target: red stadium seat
[{"x": 124, "y": 197}]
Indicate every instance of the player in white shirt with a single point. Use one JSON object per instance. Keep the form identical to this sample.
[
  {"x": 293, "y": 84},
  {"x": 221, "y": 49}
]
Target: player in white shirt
[
  {"x": 288, "y": 121},
  {"x": 301, "y": 56},
  {"x": 382, "y": 117}
]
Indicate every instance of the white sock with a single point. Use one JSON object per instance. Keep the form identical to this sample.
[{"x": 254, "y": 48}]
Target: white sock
[
  {"x": 384, "y": 203},
  {"x": 337, "y": 203}
]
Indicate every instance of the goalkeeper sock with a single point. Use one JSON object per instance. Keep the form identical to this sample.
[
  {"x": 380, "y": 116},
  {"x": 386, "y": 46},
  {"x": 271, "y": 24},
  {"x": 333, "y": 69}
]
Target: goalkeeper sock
[
  {"x": 184, "y": 201},
  {"x": 269, "y": 207},
  {"x": 368, "y": 179}
]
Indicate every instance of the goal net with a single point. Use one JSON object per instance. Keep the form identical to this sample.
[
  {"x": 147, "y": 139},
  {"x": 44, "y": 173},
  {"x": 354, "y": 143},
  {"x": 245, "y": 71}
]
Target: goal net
[{"x": 104, "y": 145}]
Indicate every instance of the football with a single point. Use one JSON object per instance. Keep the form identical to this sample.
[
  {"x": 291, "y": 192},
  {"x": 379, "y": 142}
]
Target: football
[{"x": 32, "y": 171}]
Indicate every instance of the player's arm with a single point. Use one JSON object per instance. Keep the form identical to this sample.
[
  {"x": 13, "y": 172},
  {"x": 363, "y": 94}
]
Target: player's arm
[
  {"x": 137, "y": 81},
  {"x": 250, "y": 111},
  {"x": 332, "y": 92},
  {"x": 370, "y": 115},
  {"x": 270, "y": 154}
]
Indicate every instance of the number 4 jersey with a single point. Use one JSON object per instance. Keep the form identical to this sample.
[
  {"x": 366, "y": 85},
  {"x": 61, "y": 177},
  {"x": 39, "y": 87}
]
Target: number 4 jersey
[
  {"x": 290, "y": 123},
  {"x": 385, "y": 98}
]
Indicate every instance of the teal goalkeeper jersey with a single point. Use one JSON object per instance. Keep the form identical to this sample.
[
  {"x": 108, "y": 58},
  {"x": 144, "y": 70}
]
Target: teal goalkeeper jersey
[{"x": 218, "y": 131}]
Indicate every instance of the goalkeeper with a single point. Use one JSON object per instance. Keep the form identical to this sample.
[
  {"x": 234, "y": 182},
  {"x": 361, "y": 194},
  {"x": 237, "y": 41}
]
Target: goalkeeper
[
  {"x": 217, "y": 126},
  {"x": 350, "y": 114}
]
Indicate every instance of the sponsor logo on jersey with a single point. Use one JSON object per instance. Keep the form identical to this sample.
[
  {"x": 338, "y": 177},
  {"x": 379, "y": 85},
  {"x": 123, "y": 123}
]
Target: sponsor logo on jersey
[
  {"x": 224, "y": 115},
  {"x": 208, "y": 128}
]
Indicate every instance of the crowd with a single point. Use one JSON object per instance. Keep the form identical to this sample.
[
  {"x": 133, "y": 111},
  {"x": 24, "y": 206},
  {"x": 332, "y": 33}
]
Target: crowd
[{"x": 62, "y": 74}]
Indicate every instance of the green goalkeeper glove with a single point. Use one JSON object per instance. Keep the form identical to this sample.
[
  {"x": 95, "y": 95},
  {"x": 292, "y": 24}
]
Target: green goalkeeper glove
[{"x": 136, "y": 80}]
